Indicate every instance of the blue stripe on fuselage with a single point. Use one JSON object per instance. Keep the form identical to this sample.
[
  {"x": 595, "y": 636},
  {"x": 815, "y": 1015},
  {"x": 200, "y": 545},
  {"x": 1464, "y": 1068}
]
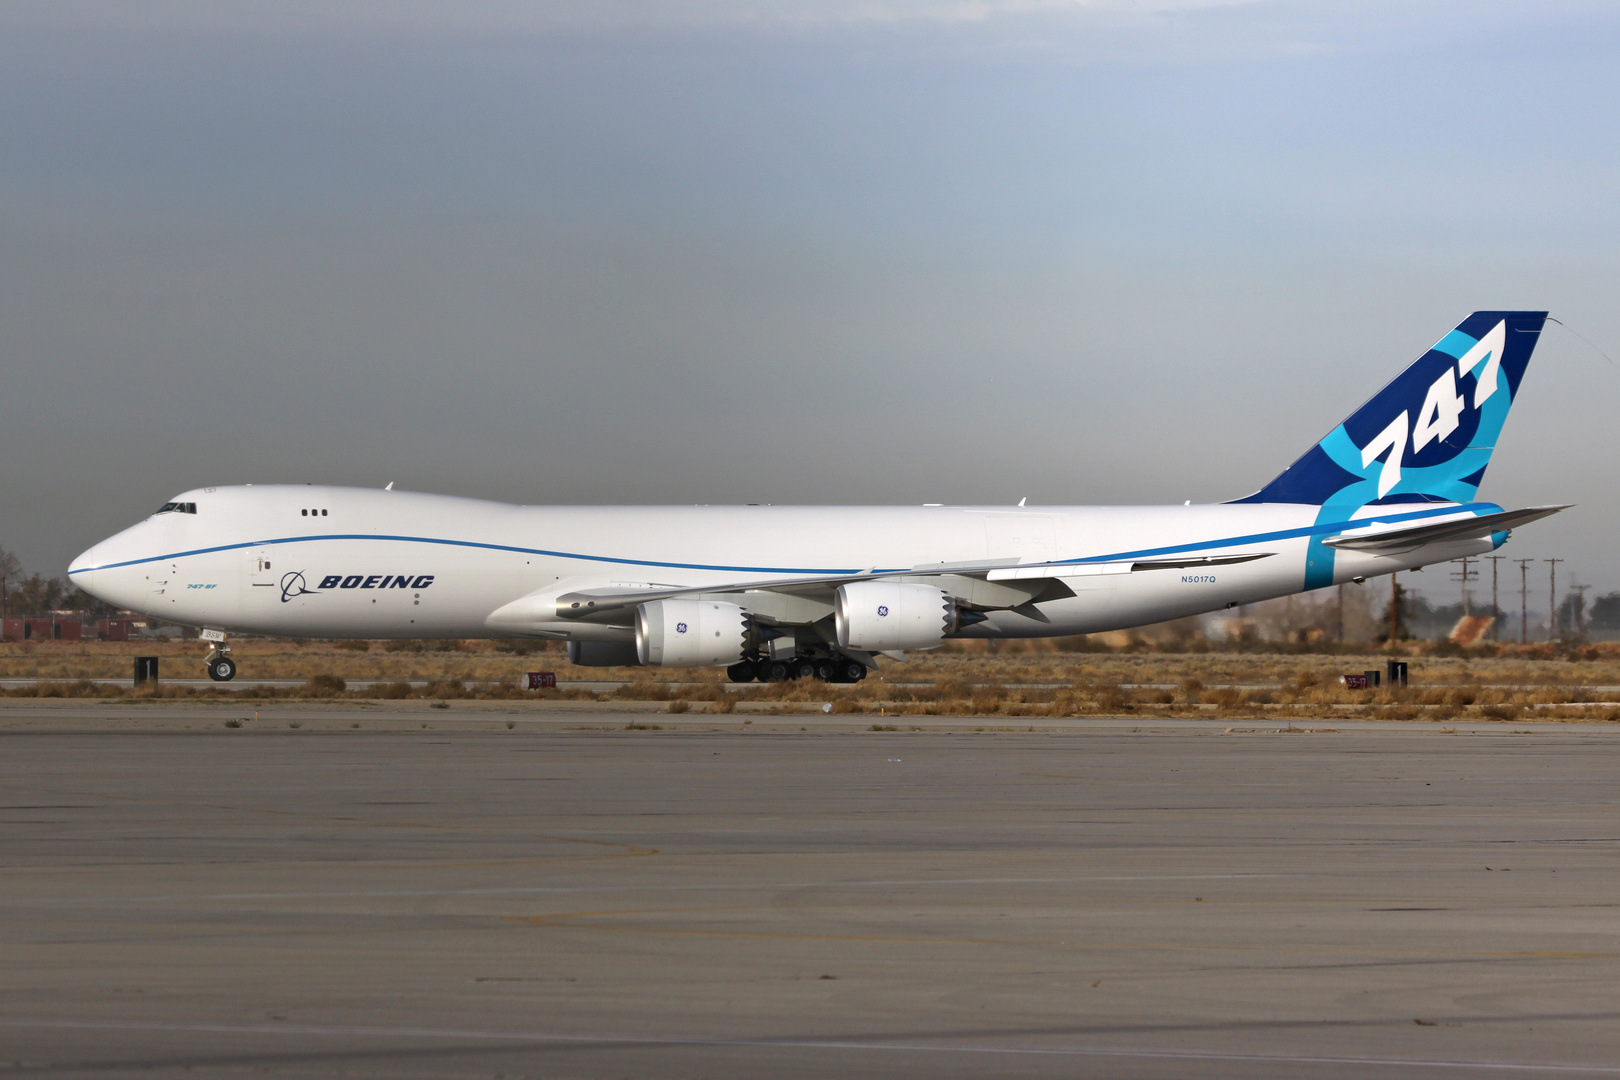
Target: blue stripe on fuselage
[{"x": 1318, "y": 529}]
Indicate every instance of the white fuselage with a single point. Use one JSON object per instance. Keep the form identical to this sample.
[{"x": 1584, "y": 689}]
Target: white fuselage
[{"x": 346, "y": 562}]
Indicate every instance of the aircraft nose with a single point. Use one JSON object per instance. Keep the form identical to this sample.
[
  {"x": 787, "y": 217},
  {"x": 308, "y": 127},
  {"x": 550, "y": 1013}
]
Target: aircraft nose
[{"x": 82, "y": 571}]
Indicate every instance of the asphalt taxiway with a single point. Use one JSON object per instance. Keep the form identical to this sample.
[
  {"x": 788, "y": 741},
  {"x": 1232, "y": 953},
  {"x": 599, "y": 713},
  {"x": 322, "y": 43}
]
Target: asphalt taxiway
[{"x": 573, "y": 899}]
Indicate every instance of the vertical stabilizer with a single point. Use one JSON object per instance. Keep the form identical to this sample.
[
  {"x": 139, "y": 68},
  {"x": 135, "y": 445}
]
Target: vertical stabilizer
[{"x": 1426, "y": 437}]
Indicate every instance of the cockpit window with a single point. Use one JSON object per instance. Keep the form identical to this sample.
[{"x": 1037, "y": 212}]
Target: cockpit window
[{"x": 178, "y": 508}]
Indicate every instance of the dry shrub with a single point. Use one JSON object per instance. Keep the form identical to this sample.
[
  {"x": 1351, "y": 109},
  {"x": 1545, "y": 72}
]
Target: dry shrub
[
  {"x": 355, "y": 646},
  {"x": 76, "y": 689},
  {"x": 725, "y": 703},
  {"x": 642, "y": 690},
  {"x": 1224, "y": 698},
  {"x": 498, "y": 692},
  {"x": 844, "y": 705},
  {"x": 1162, "y": 697},
  {"x": 1109, "y": 699},
  {"x": 1070, "y": 701},
  {"x": 951, "y": 687},
  {"x": 678, "y": 706},
  {"x": 987, "y": 700},
  {"x": 407, "y": 645},
  {"x": 326, "y": 684},
  {"x": 445, "y": 689},
  {"x": 1500, "y": 712},
  {"x": 1462, "y": 696},
  {"x": 520, "y": 647},
  {"x": 390, "y": 691}
]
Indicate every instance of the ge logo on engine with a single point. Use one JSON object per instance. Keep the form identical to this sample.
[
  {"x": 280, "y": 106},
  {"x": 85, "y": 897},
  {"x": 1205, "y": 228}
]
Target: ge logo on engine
[
  {"x": 680, "y": 628},
  {"x": 883, "y": 610}
]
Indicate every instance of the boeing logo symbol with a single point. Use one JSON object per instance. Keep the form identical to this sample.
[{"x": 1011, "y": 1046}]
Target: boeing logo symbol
[{"x": 293, "y": 585}]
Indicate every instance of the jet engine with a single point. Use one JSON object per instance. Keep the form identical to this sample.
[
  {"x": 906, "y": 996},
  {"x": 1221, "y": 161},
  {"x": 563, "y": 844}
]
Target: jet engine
[
  {"x": 690, "y": 633},
  {"x": 875, "y": 616}
]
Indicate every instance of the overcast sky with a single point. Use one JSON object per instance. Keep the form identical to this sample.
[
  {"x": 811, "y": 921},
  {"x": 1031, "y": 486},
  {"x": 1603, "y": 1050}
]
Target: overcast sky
[{"x": 829, "y": 251}]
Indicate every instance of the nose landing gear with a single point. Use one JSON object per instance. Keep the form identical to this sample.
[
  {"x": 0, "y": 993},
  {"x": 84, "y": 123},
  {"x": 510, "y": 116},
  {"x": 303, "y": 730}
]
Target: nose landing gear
[{"x": 221, "y": 668}]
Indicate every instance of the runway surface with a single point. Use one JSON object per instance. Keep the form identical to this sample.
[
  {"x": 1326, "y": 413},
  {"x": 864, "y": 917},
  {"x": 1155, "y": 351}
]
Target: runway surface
[{"x": 1383, "y": 900}]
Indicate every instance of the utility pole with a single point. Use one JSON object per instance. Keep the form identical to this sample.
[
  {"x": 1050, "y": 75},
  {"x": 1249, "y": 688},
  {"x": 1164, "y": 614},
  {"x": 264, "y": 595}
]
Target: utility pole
[
  {"x": 1496, "y": 612},
  {"x": 1552, "y": 597},
  {"x": 1524, "y": 599},
  {"x": 1465, "y": 575}
]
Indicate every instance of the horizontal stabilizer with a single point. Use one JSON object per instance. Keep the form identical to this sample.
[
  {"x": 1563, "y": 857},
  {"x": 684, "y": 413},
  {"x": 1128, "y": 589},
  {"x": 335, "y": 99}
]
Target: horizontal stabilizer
[{"x": 1384, "y": 541}]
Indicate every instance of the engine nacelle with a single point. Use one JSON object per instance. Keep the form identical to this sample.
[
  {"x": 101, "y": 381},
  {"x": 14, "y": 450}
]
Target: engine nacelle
[
  {"x": 875, "y": 616},
  {"x": 690, "y": 633}
]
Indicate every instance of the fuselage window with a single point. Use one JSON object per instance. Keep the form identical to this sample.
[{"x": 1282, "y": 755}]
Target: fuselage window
[
  {"x": 323, "y": 513},
  {"x": 304, "y": 512}
]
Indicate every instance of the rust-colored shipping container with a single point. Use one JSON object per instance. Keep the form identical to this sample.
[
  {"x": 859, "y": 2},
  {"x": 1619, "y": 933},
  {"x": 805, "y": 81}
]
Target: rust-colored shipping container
[{"x": 113, "y": 629}]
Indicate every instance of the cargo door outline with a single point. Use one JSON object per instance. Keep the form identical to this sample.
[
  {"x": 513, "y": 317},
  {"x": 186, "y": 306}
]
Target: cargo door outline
[{"x": 262, "y": 575}]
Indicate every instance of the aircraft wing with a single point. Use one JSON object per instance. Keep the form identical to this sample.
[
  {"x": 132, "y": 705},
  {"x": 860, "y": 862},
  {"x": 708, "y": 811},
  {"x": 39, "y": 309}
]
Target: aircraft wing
[
  {"x": 1019, "y": 583},
  {"x": 1405, "y": 538}
]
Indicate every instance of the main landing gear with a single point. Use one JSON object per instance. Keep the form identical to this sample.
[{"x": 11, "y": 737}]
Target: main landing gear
[{"x": 833, "y": 669}]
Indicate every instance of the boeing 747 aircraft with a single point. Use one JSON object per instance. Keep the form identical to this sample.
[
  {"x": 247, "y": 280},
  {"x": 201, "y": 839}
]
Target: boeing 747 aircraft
[{"x": 775, "y": 592}]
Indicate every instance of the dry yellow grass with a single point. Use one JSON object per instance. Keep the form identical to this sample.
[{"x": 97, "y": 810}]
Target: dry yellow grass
[{"x": 1514, "y": 686}]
